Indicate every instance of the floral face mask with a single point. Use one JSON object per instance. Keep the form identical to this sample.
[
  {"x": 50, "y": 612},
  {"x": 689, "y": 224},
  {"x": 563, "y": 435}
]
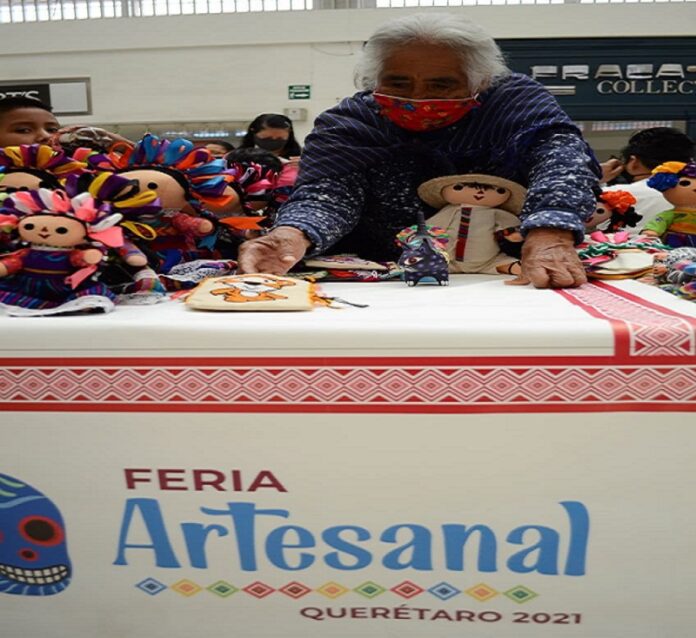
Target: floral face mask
[{"x": 424, "y": 115}]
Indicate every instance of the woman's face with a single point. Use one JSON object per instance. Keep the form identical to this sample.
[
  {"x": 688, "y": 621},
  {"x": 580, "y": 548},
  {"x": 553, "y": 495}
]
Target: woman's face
[
  {"x": 423, "y": 71},
  {"x": 272, "y": 139}
]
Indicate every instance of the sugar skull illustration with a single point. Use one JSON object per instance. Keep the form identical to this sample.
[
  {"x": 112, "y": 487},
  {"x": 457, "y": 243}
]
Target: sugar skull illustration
[{"x": 33, "y": 552}]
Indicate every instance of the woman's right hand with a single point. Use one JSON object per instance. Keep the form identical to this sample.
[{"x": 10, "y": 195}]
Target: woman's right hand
[{"x": 274, "y": 253}]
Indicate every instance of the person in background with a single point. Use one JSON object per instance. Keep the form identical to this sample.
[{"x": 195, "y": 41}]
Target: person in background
[
  {"x": 219, "y": 148},
  {"x": 25, "y": 120},
  {"x": 437, "y": 100},
  {"x": 273, "y": 132},
  {"x": 646, "y": 150}
]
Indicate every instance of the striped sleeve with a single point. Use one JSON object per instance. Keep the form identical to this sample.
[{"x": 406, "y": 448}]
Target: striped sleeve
[
  {"x": 563, "y": 183},
  {"x": 326, "y": 209}
]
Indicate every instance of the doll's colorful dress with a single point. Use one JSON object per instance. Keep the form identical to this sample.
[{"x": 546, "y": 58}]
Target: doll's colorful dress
[
  {"x": 37, "y": 280},
  {"x": 677, "y": 227}
]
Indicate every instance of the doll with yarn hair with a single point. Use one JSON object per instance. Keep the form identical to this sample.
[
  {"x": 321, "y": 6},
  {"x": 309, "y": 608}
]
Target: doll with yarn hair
[
  {"x": 194, "y": 191},
  {"x": 127, "y": 270},
  {"x": 616, "y": 208},
  {"x": 64, "y": 241},
  {"x": 28, "y": 167},
  {"x": 677, "y": 183}
]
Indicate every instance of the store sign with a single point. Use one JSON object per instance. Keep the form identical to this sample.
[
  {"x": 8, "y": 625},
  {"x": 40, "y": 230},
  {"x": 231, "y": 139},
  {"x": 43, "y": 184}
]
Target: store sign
[
  {"x": 620, "y": 78},
  {"x": 34, "y": 91},
  {"x": 667, "y": 79},
  {"x": 299, "y": 91},
  {"x": 64, "y": 96}
]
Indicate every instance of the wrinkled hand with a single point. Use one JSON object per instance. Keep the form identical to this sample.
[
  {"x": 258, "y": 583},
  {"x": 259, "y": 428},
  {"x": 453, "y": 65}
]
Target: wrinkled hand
[
  {"x": 549, "y": 260},
  {"x": 610, "y": 169},
  {"x": 274, "y": 253}
]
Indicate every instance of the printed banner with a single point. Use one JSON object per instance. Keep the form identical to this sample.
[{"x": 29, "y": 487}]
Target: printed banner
[{"x": 126, "y": 525}]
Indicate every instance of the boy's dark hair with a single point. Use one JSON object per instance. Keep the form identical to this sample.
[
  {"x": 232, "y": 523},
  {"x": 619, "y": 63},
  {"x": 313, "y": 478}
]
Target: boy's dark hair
[
  {"x": 11, "y": 103},
  {"x": 657, "y": 145},
  {"x": 273, "y": 120},
  {"x": 224, "y": 143}
]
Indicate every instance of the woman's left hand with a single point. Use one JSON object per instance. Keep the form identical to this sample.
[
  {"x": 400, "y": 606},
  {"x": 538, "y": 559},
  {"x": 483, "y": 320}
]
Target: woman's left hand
[{"x": 549, "y": 260}]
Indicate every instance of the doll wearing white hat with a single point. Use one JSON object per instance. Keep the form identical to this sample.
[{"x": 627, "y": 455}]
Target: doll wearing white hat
[{"x": 472, "y": 208}]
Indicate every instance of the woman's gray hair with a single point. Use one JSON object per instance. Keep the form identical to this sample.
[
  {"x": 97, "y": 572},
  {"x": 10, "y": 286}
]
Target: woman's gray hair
[{"x": 482, "y": 60}]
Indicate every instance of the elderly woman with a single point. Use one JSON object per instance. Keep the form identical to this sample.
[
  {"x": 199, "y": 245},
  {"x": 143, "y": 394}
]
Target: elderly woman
[{"x": 438, "y": 100}]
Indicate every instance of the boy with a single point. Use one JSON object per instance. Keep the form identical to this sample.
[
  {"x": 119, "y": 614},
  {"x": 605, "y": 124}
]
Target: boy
[{"x": 25, "y": 120}]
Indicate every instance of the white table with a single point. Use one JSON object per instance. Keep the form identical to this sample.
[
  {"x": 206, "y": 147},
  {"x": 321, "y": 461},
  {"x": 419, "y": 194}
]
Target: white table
[{"x": 475, "y": 460}]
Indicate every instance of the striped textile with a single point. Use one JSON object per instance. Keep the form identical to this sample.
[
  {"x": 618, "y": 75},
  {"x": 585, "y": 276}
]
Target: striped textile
[
  {"x": 463, "y": 234},
  {"x": 359, "y": 172}
]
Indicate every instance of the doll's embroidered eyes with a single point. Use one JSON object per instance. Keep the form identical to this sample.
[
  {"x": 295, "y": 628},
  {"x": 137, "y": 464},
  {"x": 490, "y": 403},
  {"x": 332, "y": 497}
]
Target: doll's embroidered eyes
[
  {"x": 458, "y": 187},
  {"x": 152, "y": 185},
  {"x": 61, "y": 230},
  {"x": 502, "y": 191},
  {"x": 29, "y": 226},
  {"x": 685, "y": 182}
]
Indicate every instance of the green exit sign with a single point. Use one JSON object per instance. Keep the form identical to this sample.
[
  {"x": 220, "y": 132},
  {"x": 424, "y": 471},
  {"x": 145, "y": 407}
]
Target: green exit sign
[{"x": 299, "y": 91}]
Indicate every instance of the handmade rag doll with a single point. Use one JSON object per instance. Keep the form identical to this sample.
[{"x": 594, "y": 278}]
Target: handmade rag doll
[
  {"x": 127, "y": 271},
  {"x": 64, "y": 242},
  {"x": 472, "y": 209},
  {"x": 32, "y": 166},
  {"x": 615, "y": 207},
  {"x": 677, "y": 183},
  {"x": 194, "y": 191}
]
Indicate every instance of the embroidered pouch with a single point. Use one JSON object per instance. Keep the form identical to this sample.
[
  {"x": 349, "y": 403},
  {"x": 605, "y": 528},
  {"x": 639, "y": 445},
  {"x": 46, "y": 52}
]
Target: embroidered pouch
[{"x": 260, "y": 292}]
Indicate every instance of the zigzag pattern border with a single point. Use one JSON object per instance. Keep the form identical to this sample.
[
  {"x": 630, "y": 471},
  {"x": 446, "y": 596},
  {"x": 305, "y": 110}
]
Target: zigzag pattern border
[
  {"x": 313, "y": 387},
  {"x": 641, "y": 329}
]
